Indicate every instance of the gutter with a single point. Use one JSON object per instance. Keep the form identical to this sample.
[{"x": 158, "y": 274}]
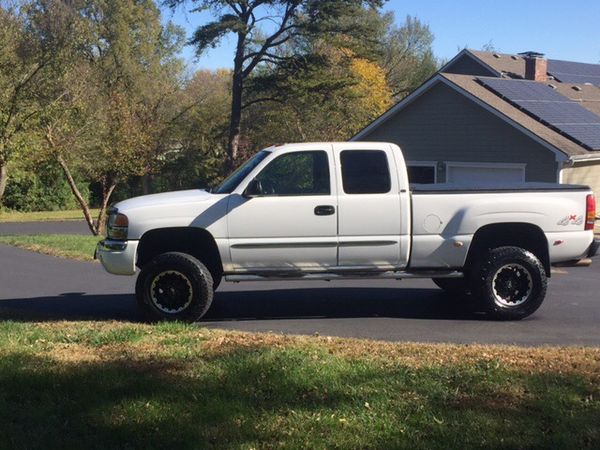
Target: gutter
[{"x": 573, "y": 160}]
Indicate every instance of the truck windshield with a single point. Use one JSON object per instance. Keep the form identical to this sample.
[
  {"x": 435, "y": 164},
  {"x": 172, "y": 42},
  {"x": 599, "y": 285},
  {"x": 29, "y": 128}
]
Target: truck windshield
[{"x": 233, "y": 180}]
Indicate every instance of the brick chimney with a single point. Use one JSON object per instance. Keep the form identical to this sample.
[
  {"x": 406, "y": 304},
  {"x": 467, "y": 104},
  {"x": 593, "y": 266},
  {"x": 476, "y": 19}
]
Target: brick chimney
[{"x": 536, "y": 66}]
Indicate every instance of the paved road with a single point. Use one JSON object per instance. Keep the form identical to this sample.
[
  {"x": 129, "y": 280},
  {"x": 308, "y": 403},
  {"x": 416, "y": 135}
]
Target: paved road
[
  {"x": 38, "y": 287},
  {"x": 56, "y": 227}
]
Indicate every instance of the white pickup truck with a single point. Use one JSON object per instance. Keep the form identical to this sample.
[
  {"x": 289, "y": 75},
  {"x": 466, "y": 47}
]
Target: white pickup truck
[{"x": 345, "y": 210}]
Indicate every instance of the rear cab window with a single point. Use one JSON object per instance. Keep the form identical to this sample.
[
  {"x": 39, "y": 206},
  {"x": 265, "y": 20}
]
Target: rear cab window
[{"x": 365, "y": 172}]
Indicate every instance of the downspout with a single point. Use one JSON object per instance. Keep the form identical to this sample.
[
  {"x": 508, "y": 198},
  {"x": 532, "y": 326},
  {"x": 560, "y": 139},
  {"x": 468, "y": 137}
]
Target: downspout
[{"x": 563, "y": 165}]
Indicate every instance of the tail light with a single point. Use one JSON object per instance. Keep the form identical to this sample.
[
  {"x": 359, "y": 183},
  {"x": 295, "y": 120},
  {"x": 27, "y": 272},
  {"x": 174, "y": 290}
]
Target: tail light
[{"x": 590, "y": 212}]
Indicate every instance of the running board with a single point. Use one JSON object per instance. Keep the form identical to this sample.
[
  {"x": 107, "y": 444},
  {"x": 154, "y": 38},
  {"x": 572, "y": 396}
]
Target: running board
[{"x": 329, "y": 276}]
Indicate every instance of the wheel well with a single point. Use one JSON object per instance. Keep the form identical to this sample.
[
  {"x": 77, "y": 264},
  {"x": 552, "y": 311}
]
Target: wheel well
[
  {"x": 524, "y": 235},
  {"x": 196, "y": 242}
]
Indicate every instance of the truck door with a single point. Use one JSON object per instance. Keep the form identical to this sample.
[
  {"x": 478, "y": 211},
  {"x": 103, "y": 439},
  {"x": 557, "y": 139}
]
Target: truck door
[
  {"x": 289, "y": 219},
  {"x": 369, "y": 207}
]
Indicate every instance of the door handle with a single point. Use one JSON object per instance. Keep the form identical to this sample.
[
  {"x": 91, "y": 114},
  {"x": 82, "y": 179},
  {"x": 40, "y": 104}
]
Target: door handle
[{"x": 324, "y": 210}]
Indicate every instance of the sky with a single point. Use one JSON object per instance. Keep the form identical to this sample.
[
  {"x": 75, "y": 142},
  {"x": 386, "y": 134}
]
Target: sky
[{"x": 560, "y": 29}]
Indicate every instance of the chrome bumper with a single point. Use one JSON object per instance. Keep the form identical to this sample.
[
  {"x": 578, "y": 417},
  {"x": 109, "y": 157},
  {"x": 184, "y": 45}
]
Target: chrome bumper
[{"x": 117, "y": 257}]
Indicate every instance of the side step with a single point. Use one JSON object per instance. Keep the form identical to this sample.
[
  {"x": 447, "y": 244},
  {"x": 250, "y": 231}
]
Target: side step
[{"x": 329, "y": 276}]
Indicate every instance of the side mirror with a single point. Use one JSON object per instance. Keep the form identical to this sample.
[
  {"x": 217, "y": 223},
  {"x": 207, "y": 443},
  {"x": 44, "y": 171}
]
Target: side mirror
[{"x": 254, "y": 189}]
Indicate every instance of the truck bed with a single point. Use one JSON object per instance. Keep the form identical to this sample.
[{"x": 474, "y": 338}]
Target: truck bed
[
  {"x": 457, "y": 188},
  {"x": 444, "y": 223}
]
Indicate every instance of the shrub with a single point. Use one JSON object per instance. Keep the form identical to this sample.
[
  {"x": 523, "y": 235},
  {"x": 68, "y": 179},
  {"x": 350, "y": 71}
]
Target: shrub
[{"x": 42, "y": 189}]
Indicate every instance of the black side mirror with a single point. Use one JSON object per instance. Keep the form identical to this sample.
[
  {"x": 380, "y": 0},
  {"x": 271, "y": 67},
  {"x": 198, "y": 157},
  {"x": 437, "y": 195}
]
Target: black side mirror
[{"x": 254, "y": 189}]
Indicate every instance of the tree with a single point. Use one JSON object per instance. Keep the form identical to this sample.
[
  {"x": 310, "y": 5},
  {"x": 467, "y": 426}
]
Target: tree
[
  {"x": 136, "y": 78},
  {"x": 256, "y": 44},
  {"x": 199, "y": 137},
  {"x": 25, "y": 63},
  {"x": 116, "y": 99},
  {"x": 407, "y": 55},
  {"x": 329, "y": 100}
]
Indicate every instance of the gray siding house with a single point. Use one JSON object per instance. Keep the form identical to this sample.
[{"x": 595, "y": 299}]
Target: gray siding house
[{"x": 455, "y": 128}]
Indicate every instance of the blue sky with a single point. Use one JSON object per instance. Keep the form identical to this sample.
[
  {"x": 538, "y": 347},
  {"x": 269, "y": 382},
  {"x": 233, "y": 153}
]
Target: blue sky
[{"x": 560, "y": 29}]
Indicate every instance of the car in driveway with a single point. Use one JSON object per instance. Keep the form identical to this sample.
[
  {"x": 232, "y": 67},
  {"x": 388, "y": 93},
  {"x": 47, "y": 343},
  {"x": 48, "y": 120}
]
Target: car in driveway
[{"x": 344, "y": 211}]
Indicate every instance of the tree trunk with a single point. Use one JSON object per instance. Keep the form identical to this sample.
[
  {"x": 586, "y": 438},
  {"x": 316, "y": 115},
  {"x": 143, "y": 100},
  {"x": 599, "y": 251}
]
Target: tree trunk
[
  {"x": 235, "y": 120},
  {"x": 107, "y": 190},
  {"x": 82, "y": 202},
  {"x": 299, "y": 124},
  {"x": 147, "y": 184},
  {"x": 3, "y": 179}
]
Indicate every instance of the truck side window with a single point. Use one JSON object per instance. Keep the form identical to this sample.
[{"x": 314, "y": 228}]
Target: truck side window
[
  {"x": 297, "y": 173},
  {"x": 365, "y": 172}
]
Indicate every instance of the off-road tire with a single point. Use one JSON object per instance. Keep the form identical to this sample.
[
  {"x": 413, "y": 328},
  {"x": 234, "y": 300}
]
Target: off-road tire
[
  {"x": 174, "y": 286},
  {"x": 509, "y": 283}
]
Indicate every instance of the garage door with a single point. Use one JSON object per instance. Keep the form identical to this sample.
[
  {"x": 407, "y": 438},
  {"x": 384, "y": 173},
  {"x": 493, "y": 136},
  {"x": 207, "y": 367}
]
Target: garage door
[
  {"x": 466, "y": 174},
  {"x": 586, "y": 173}
]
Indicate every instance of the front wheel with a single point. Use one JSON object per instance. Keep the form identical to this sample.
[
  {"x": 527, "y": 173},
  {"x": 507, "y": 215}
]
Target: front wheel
[
  {"x": 174, "y": 286},
  {"x": 510, "y": 283}
]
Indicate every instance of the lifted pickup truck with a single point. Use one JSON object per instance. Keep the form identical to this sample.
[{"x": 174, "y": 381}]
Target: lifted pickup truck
[{"x": 345, "y": 210}]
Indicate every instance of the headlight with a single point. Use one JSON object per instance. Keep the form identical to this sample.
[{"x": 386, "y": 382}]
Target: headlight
[{"x": 116, "y": 227}]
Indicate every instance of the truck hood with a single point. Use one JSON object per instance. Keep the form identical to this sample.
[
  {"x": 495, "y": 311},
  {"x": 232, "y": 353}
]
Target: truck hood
[
  {"x": 193, "y": 208},
  {"x": 165, "y": 198}
]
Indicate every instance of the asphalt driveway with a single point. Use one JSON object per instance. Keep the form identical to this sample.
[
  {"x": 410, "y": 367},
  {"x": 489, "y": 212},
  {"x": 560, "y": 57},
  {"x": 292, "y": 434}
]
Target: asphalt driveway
[
  {"x": 56, "y": 227},
  {"x": 39, "y": 287}
]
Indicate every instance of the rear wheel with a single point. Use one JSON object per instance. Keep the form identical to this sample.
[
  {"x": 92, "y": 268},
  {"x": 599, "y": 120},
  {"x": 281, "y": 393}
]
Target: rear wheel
[
  {"x": 174, "y": 286},
  {"x": 510, "y": 283}
]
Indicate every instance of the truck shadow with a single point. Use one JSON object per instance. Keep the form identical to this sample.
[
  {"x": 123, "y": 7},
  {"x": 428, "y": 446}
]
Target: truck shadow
[
  {"x": 307, "y": 303},
  {"x": 335, "y": 303}
]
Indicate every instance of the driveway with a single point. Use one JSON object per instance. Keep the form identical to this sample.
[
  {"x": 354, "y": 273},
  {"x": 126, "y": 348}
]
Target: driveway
[
  {"x": 39, "y": 287},
  {"x": 55, "y": 227}
]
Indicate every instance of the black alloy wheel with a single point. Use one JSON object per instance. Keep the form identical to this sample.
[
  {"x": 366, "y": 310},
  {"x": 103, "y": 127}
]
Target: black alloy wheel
[
  {"x": 174, "y": 286},
  {"x": 510, "y": 283}
]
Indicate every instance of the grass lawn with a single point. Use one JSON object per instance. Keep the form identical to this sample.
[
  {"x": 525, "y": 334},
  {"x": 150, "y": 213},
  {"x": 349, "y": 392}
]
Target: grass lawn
[
  {"x": 43, "y": 216},
  {"x": 113, "y": 385},
  {"x": 63, "y": 245}
]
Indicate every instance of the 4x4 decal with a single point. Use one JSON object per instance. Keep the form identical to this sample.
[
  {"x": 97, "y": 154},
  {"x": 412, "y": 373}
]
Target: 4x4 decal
[{"x": 572, "y": 219}]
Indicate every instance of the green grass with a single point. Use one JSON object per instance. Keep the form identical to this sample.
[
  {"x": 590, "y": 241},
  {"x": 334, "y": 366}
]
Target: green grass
[
  {"x": 93, "y": 385},
  {"x": 62, "y": 245},
  {"x": 43, "y": 216}
]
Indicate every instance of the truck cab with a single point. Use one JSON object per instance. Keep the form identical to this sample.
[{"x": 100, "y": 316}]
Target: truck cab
[{"x": 313, "y": 207}]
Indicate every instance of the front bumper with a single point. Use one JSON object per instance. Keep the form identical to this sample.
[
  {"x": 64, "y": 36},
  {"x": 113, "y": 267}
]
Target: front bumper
[{"x": 117, "y": 257}]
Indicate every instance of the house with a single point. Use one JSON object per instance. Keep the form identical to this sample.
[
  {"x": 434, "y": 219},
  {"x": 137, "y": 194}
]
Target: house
[{"x": 499, "y": 117}]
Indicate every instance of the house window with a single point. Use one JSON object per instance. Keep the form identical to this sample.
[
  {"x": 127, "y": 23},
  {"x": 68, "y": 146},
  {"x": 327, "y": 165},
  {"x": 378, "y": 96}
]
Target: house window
[
  {"x": 421, "y": 173},
  {"x": 365, "y": 172}
]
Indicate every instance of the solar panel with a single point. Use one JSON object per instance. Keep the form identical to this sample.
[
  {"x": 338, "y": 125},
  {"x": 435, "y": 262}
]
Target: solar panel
[
  {"x": 574, "y": 72},
  {"x": 559, "y": 112},
  {"x": 518, "y": 90},
  {"x": 576, "y": 79},
  {"x": 588, "y": 132}
]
